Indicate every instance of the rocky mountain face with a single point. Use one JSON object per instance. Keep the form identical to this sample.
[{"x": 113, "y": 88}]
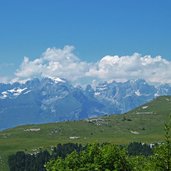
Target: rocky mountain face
[{"x": 52, "y": 100}]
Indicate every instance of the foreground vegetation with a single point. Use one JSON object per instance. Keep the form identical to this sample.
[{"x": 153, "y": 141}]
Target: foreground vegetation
[
  {"x": 110, "y": 157},
  {"x": 104, "y": 157},
  {"x": 144, "y": 124}
]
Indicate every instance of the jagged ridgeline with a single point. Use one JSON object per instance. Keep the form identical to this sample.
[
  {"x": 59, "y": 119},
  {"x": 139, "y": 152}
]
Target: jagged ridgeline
[{"x": 50, "y": 100}]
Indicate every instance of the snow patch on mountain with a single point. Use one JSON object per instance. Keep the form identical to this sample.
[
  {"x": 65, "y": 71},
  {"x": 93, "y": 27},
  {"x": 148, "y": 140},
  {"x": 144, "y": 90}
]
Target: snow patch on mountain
[
  {"x": 57, "y": 80},
  {"x": 12, "y": 92},
  {"x": 17, "y": 91},
  {"x": 138, "y": 93},
  {"x": 4, "y": 95}
]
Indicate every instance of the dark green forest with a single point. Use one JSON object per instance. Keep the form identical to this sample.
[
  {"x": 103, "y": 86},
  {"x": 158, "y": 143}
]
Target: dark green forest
[{"x": 22, "y": 161}]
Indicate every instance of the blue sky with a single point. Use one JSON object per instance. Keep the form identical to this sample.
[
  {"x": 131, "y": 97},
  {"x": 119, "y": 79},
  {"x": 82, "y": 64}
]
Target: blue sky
[{"x": 95, "y": 28}]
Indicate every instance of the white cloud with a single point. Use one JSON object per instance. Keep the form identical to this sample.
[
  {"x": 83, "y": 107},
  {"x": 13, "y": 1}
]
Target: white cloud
[
  {"x": 29, "y": 68},
  {"x": 64, "y": 63},
  {"x": 54, "y": 63},
  {"x": 153, "y": 69}
]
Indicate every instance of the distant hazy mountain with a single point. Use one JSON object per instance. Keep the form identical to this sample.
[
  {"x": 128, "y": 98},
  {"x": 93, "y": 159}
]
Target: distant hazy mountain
[{"x": 51, "y": 100}]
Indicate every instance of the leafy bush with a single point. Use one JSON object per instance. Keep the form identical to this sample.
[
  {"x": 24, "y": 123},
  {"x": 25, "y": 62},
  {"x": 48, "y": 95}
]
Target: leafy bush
[{"x": 96, "y": 157}]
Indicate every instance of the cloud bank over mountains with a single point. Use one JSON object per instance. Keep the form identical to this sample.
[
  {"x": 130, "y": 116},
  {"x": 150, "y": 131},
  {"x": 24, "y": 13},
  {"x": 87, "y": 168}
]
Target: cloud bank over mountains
[{"x": 65, "y": 64}]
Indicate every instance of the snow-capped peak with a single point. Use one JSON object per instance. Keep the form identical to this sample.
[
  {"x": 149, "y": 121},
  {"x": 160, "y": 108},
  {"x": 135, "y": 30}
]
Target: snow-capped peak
[
  {"x": 13, "y": 92},
  {"x": 17, "y": 91},
  {"x": 57, "y": 79}
]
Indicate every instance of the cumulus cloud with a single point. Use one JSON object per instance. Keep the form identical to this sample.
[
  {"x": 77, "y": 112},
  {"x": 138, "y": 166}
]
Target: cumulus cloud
[
  {"x": 153, "y": 69},
  {"x": 54, "y": 63},
  {"x": 29, "y": 68},
  {"x": 64, "y": 63}
]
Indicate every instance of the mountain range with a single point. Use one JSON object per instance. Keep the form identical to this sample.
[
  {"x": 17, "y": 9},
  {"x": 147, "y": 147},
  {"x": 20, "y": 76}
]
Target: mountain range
[{"x": 52, "y": 100}]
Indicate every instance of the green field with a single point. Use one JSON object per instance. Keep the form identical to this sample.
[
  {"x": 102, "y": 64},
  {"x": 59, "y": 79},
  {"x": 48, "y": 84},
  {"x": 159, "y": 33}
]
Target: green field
[{"x": 145, "y": 124}]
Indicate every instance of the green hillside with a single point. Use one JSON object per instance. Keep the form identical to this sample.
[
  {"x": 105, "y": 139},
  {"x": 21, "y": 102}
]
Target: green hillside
[{"x": 145, "y": 124}]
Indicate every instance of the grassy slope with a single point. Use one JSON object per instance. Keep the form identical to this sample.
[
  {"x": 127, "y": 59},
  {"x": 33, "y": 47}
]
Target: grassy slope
[{"x": 137, "y": 125}]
